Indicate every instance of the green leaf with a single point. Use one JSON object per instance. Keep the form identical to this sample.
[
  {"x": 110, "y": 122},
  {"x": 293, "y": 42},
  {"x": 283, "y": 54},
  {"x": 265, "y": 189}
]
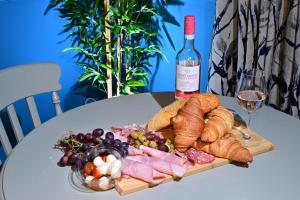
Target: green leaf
[
  {"x": 127, "y": 90},
  {"x": 79, "y": 49},
  {"x": 85, "y": 76},
  {"x": 148, "y": 10},
  {"x": 133, "y": 83},
  {"x": 104, "y": 66}
]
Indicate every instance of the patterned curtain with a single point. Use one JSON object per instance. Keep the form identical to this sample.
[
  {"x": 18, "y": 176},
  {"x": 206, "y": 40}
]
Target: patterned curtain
[{"x": 261, "y": 34}]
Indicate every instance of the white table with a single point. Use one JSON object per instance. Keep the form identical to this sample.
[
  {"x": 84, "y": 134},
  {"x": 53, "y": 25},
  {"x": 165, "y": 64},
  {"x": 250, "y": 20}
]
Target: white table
[{"x": 31, "y": 171}]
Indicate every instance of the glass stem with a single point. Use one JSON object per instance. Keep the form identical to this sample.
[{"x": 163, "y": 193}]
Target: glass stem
[
  {"x": 249, "y": 119},
  {"x": 246, "y": 134}
]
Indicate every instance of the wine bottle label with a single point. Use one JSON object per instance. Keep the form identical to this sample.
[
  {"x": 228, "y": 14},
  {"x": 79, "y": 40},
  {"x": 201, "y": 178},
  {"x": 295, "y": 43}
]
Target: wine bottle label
[{"x": 187, "y": 78}]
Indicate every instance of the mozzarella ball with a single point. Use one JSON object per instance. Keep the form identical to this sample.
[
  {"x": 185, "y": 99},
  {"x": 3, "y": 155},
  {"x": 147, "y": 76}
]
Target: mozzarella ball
[
  {"x": 115, "y": 172},
  {"x": 98, "y": 161},
  {"x": 117, "y": 164},
  {"x": 88, "y": 179},
  {"x": 110, "y": 158},
  {"x": 103, "y": 168},
  {"x": 104, "y": 183}
]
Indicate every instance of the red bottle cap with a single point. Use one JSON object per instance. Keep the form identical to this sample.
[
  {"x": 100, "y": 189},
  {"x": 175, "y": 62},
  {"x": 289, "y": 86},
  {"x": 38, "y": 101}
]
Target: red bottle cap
[{"x": 189, "y": 24}]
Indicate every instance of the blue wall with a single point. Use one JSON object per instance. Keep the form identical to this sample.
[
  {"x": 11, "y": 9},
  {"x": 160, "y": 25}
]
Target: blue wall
[{"x": 26, "y": 36}]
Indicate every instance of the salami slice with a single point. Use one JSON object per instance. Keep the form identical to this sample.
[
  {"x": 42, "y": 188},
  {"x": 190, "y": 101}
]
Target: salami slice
[{"x": 199, "y": 157}]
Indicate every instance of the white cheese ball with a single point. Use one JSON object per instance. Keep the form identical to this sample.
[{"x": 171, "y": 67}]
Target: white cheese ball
[
  {"x": 110, "y": 158},
  {"x": 104, "y": 183},
  {"x": 98, "y": 161},
  {"x": 103, "y": 168},
  {"x": 115, "y": 172},
  {"x": 88, "y": 179},
  {"x": 117, "y": 164}
]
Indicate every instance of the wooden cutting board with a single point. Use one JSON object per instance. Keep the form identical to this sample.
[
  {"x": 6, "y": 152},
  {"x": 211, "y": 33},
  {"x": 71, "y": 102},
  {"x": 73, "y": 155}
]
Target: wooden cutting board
[{"x": 256, "y": 145}]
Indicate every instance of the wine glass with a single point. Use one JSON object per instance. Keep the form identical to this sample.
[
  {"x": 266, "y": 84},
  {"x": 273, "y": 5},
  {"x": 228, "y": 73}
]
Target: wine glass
[{"x": 251, "y": 93}]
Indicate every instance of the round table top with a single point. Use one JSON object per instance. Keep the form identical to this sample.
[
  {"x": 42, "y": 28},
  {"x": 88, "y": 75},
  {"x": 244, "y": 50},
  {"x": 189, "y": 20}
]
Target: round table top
[{"x": 31, "y": 171}]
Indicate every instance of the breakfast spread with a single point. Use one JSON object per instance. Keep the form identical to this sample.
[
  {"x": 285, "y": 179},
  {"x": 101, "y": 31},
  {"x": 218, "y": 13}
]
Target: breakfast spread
[{"x": 199, "y": 130}]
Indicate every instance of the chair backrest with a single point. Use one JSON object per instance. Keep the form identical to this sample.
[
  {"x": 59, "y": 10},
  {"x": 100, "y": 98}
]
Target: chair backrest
[{"x": 22, "y": 82}]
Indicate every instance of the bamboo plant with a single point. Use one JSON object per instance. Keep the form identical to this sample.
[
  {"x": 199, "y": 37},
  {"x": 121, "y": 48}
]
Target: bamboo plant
[{"x": 114, "y": 41}]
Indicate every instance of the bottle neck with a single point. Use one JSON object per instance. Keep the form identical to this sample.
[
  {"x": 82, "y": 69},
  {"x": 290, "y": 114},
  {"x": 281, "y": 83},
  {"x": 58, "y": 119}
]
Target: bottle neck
[{"x": 189, "y": 41}]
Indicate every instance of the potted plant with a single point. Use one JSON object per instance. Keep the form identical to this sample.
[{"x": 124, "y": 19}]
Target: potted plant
[{"x": 113, "y": 41}]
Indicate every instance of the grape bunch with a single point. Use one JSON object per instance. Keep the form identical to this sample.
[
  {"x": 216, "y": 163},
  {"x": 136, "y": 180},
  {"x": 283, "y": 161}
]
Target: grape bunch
[
  {"x": 80, "y": 148},
  {"x": 138, "y": 138}
]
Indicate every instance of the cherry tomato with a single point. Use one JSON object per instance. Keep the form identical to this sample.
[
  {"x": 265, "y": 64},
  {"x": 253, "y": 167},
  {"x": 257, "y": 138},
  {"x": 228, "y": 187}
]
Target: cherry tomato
[
  {"x": 89, "y": 167},
  {"x": 96, "y": 173}
]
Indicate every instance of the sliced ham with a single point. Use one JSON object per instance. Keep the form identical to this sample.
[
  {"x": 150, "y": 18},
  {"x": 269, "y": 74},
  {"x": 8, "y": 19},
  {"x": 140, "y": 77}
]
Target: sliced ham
[
  {"x": 199, "y": 157},
  {"x": 161, "y": 165},
  {"x": 163, "y": 155},
  {"x": 126, "y": 130},
  {"x": 132, "y": 151},
  {"x": 142, "y": 171}
]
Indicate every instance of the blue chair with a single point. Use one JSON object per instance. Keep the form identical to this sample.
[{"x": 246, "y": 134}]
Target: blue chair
[{"x": 23, "y": 82}]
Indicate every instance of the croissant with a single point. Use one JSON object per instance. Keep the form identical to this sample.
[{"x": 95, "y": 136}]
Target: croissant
[
  {"x": 187, "y": 125},
  {"x": 220, "y": 122},
  {"x": 226, "y": 147},
  {"x": 207, "y": 101},
  {"x": 162, "y": 118},
  {"x": 189, "y": 122}
]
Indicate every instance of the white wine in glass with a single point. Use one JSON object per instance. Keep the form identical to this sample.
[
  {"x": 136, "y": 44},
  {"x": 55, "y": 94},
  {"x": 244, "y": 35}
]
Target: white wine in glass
[{"x": 250, "y": 93}]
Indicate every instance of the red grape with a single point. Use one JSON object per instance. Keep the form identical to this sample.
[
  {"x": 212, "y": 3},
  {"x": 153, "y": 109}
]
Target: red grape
[
  {"x": 163, "y": 147},
  {"x": 130, "y": 140},
  {"x": 88, "y": 138},
  {"x": 125, "y": 145},
  {"x": 162, "y": 141},
  {"x": 117, "y": 143},
  {"x": 109, "y": 135},
  {"x": 78, "y": 163},
  {"x": 68, "y": 153},
  {"x": 63, "y": 161},
  {"x": 80, "y": 136},
  {"x": 97, "y": 140},
  {"x": 150, "y": 136},
  {"x": 98, "y": 132},
  {"x": 85, "y": 147},
  {"x": 73, "y": 158},
  {"x": 156, "y": 139},
  {"x": 108, "y": 142}
]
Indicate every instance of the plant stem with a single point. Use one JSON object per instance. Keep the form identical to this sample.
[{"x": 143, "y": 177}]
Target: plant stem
[
  {"x": 108, "y": 50},
  {"x": 127, "y": 57},
  {"x": 119, "y": 56}
]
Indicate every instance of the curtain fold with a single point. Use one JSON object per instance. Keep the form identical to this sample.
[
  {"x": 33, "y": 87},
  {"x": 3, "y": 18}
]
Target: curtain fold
[{"x": 261, "y": 34}]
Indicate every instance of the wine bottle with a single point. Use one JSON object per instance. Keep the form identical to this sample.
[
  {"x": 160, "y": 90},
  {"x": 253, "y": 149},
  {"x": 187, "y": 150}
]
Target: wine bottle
[{"x": 188, "y": 63}]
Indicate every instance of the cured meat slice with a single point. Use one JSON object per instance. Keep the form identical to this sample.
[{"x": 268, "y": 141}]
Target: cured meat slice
[
  {"x": 161, "y": 165},
  {"x": 132, "y": 151},
  {"x": 199, "y": 157},
  {"x": 120, "y": 137},
  {"x": 142, "y": 172},
  {"x": 163, "y": 155}
]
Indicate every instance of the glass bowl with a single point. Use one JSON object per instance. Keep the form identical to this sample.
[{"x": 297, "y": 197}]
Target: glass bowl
[{"x": 88, "y": 183}]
